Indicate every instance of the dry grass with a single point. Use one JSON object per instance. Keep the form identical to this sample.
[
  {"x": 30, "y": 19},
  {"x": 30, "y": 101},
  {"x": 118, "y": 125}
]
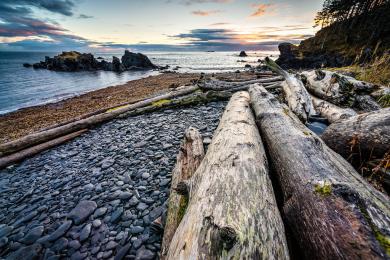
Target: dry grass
[{"x": 378, "y": 72}]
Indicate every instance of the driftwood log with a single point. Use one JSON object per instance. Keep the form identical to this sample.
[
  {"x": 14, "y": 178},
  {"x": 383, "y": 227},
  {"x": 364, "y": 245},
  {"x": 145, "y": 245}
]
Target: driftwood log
[
  {"x": 333, "y": 213},
  {"x": 231, "y": 213},
  {"x": 188, "y": 160},
  {"x": 40, "y": 137},
  {"x": 216, "y": 85},
  {"x": 29, "y": 152},
  {"x": 365, "y": 136},
  {"x": 332, "y": 112},
  {"x": 295, "y": 93},
  {"x": 340, "y": 90}
]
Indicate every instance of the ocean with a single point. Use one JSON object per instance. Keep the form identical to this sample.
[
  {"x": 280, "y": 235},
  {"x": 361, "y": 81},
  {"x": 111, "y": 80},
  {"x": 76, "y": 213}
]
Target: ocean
[{"x": 23, "y": 87}]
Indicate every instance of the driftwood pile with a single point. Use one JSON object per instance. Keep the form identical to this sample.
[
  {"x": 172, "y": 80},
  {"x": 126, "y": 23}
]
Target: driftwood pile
[
  {"x": 267, "y": 187},
  {"x": 226, "y": 207}
]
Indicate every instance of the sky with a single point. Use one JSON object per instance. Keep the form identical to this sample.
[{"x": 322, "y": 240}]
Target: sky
[{"x": 154, "y": 25}]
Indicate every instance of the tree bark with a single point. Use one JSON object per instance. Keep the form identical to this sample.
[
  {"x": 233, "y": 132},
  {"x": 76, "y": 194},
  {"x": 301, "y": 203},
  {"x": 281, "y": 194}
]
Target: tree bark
[
  {"x": 188, "y": 160},
  {"x": 29, "y": 152},
  {"x": 232, "y": 213},
  {"x": 40, "y": 137},
  {"x": 332, "y": 112},
  {"x": 332, "y": 212},
  {"x": 296, "y": 95},
  {"x": 366, "y": 136}
]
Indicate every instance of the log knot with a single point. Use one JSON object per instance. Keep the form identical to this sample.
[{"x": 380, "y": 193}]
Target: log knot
[
  {"x": 182, "y": 188},
  {"x": 228, "y": 237}
]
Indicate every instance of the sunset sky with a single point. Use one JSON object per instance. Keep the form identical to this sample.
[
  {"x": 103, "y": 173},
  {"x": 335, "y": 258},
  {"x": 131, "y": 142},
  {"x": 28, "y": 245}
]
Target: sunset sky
[{"x": 103, "y": 25}]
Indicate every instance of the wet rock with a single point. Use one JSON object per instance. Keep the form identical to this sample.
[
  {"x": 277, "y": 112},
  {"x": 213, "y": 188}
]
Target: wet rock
[
  {"x": 28, "y": 252},
  {"x": 144, "y": 254},
  {"x": 111, "y": 245},
  {"x": 96, "y": 223},
  {"x": 75, "y": 244},
  {"x": 116, "y": 215},
  {"x": 33, "y": 235},
  {"x": 60, "y": 231},
  {"x": 99, "y": 212},
  {"x": 136, "y": 230},
  {"x": 60, "y": 244},
  {"x": 132, "y": 60},
  {"x": 85, "y": 232},
  {"x": 122, "y": 252},
  {"x": 82, "y": 211}
]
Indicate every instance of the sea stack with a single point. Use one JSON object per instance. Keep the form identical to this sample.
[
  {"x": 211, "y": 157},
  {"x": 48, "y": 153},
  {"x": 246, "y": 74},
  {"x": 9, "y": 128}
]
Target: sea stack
[{"x": 243, "y": 54}]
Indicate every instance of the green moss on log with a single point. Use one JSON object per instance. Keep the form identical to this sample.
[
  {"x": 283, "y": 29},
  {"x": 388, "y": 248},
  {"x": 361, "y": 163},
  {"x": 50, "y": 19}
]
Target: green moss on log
[
  {"x": 324, "y": 188},
  {"x": 182, "y": 208}
]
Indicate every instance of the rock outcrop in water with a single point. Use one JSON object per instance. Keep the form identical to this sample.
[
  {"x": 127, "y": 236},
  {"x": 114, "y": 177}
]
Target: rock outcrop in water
[{"x": 76, "y": 61}]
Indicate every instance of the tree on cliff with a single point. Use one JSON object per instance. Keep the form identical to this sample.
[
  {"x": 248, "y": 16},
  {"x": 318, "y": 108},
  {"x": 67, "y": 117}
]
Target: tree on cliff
[{"x": 342, "y": 10}]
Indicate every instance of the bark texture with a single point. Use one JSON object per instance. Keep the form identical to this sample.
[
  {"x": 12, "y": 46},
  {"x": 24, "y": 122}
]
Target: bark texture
[
  {"x": 232, "y": 213},
  {"x": 40, "y": 137},
  {"x": 332, "y": 211},
  {"x": 188, "y": 160},
  {"x": 332, "y": 112},
  {"x": 366, "y": 135}
]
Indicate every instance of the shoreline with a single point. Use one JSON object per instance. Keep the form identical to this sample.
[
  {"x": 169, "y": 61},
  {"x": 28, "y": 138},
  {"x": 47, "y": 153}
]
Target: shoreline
[{"x": 33, "y": 119}]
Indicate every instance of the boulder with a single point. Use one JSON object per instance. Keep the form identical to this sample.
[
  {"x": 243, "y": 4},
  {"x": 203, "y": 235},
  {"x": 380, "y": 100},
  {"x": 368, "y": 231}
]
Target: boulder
[
  {"x": 132, "y": 60},
  {"x": 243, "y": 54},
  {"x": 116, "y": 65}
]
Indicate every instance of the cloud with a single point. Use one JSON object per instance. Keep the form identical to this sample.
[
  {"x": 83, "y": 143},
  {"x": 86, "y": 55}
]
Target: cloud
[
  {"x": 63, "y": 7},
  {"x": 205, "y": 13},
  {"x": 261, "y": 9},
  {"x": 84, "y": 16},
  {"x": 191, "y": 2}
]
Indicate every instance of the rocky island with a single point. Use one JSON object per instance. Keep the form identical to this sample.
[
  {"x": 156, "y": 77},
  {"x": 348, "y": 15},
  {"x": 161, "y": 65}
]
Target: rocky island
[{"x": 76, "y": 61}]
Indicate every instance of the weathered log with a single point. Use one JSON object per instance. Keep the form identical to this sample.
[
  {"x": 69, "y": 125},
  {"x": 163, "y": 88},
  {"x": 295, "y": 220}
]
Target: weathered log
[
  {"x": 29, "y": 152},
  {"x": 189, "y": 158},
  {"x": 226, "y": 85},
  {"x": 296, "y": 95},
  {"x": 188, "y": 100},
  {"x": 333, "y": 213},
  {"x": 40, "y": 137},
  {"x": 232, "y": 211},
  {"x": 339, "y": 89},
  {"x": 332, "y": 112},
  {"x": 365, "y": 136}
]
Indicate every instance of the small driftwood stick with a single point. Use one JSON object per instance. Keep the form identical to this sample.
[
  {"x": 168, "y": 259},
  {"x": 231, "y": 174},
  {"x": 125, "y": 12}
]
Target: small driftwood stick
[
  {"x": 189, "y": 158},
  {"x": 332, "y": 211},
  {"x": 29, "y": 152},
  {"x": 232, "y": 212}
]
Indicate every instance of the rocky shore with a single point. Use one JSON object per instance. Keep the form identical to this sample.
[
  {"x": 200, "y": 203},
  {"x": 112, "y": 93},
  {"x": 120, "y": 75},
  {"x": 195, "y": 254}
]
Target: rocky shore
[
  {"x": 75, "y": 61},
  {"x": 96, "y": 196}
]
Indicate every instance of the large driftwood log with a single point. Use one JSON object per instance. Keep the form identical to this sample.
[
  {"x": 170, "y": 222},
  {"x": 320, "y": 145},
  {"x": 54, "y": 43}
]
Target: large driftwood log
[
  {"x": 216, "y": 85},
  {"x": 332, "y": 112},
  {"x": 332, "y": 212},
  {"x": 367, "y": 136},
  {"x": 29, "y": 152},
  {"x": 232, "y": 213},
  {"x": 296, "y": 95},
  {"x": 40, "y": 137},
  {"x": 340, "y": 90},
  {"x": 188, "y": 160}
]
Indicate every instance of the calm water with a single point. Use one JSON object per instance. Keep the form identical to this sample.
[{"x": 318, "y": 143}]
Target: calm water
[{"x": 22, "y": 87}]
